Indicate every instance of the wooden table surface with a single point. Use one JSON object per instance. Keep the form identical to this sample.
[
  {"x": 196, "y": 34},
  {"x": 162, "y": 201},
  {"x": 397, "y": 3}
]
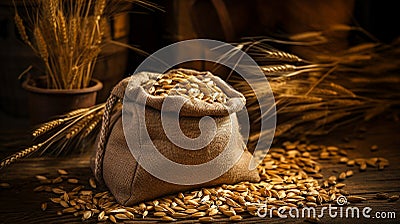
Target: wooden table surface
[{"x": 19, "y": 204}]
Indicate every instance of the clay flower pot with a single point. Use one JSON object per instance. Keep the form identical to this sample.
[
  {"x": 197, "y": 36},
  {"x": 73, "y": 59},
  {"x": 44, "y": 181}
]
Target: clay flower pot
[{"x": 44, "y": 104}]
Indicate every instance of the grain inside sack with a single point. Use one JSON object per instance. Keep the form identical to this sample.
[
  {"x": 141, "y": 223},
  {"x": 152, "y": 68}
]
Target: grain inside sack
[{"x": 208, "y": 95}]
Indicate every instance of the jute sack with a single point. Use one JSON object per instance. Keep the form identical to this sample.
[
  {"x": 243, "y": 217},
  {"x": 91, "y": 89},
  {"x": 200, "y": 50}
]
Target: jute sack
[{"x": 128, "y": 181}]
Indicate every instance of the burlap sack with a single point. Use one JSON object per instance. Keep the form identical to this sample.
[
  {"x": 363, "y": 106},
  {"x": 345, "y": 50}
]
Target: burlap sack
[{"x": 129, "y": 182}]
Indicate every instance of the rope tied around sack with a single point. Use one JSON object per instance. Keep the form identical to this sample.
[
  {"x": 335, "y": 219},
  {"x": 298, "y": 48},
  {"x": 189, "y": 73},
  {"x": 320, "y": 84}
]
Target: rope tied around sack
[{"x": 116, "y": 94}]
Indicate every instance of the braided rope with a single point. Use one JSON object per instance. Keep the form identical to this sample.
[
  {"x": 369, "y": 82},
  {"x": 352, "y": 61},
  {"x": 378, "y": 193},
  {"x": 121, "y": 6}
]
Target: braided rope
[
  {"x": 105, "y": 128},
  {"x": 116, "y": 94}
]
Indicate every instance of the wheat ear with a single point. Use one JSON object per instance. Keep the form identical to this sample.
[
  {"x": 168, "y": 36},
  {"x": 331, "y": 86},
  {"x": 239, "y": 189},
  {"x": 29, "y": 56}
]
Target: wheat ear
[
  {"x": 76, "y": 112},
  {"x": 93, "y": 124},
  {"x": 48, "y": 126},
  {"x": 21, "y": 29},
  {"x": 41, "y": 44},
  {"x": 21, "y": 154},
  {"x": 278, "y": 68}
]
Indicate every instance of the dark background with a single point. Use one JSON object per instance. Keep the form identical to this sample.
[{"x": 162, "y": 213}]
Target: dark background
[{"x": 152, "y": 29}]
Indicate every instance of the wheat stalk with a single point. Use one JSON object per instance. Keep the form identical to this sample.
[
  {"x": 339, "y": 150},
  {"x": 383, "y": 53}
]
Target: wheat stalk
[
  {"x": 76, "y": 112},
  {"x": 75, "y": 129},
  {"x": 63, "y": 28},
  {"x": 99, "y": 8},
  {"x": 41, "y": 44},
  {"x": 282, "y": 56},
  {"x": 64, "y": 42},
  {"x": 50, "y": 9},
  {"x": 69, "y": 36},
  {"x": 21, "y": 154},
  {"x": 93, "y": 124},
  {"x": 308, "y": 100},
  {"x": 48, "y": 126},
  {"x": 70, "y": 128},
  {"x": 278, "y": 68},
  {"x": 21, "y": 29},
  {"x": 73, "y": 31}
]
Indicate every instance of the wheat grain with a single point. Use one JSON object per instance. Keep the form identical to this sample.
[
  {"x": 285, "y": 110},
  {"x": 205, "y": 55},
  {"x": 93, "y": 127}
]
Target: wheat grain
[
  {"x": 73, "y": 181},
  {"x": 43, "y": 206},
  {"x": 287, "y": 180},
  {"x": 64, "y": 204},
  {"x": 374, "y": 148},
  {"x": 112, "y": 219},
  {"x": 62, "y": 172},
  {"x": 92, "y": 183},
  {"x": 363, "y": 166},
  {"x": 168, "y": 219},
  {"x": 342, "y": 176},
  {"x": 121, "y": 216},
  {"x": 206, "y": 219},
  {"x": 57, "y": 191},
  {"x": 393, "y": 198},
  {"x": 86, "y": 215},
  {"x": 195, "y": 87},
  {"x": 55, "y": 200},
  {"x": 236, "y": 218}
]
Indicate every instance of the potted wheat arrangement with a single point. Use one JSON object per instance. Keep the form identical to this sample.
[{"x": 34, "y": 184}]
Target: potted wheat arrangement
[{"x": 68, "y": 37}]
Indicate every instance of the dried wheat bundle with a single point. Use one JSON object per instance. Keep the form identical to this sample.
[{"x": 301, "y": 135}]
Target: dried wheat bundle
[
  {"x": 74, "y": 130},
  {"x": 68, "y": 36},
  {"x": 313, "y": 97}
]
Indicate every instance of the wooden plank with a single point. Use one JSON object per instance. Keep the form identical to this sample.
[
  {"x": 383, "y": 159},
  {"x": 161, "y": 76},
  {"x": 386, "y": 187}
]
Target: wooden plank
[{"x": 20, "y": 204}]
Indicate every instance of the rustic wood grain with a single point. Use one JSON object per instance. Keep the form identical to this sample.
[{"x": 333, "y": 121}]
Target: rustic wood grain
[{"x": 19, "y": 204}]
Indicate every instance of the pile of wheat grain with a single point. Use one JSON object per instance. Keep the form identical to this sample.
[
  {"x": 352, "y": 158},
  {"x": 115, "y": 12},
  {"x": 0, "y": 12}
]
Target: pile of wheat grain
[{"x": 291, "y": 177}]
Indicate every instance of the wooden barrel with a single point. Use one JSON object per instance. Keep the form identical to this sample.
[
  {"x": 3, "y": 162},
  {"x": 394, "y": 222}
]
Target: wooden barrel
[{"x": 15, "y": 57}]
